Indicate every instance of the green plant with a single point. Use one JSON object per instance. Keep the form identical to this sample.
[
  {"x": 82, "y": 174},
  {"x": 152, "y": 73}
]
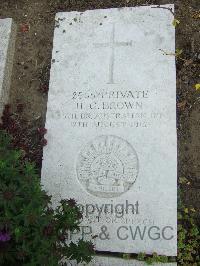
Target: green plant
[
  {"x": 188, "y": 234},
  {"x": 31, "y": 231},
  {"x": 154, "y": 258}
]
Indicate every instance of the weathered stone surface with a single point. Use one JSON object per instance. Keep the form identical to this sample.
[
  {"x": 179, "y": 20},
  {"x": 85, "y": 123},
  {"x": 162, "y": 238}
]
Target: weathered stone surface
[
  {"x": 7, "y": 41},
  {"x": 111, "y": 123}
]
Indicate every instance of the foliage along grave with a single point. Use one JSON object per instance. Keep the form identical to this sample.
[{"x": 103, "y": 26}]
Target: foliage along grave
[{"x": 31, "y": 231}]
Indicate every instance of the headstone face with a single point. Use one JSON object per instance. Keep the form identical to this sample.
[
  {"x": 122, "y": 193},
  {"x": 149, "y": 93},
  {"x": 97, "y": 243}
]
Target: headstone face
[
  {"x": 7, "y": 40},
  {"x": 111, "y": 121}
]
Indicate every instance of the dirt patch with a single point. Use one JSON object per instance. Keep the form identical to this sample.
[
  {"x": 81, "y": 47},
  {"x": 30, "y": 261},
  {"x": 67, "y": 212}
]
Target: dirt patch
[{"x": 35, "y": 24}]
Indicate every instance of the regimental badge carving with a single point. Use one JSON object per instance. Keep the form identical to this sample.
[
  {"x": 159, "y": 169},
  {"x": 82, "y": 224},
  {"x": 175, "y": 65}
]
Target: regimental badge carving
[{"x": 107, "y": 166}]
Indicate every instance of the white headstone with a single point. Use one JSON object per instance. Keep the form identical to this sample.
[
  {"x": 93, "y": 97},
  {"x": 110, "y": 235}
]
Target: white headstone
[
  {"x": 111, "y": 123},
  {"x": 7, "y": 40}
]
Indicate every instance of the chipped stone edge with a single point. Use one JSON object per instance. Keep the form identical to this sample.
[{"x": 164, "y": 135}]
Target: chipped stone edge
[
  {"x": 106, "y": 260},
  {"x": 166, "y": 7}
]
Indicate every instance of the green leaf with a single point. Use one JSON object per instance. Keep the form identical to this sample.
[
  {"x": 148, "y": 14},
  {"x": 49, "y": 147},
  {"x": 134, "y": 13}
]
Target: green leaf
[
  {"x": 197, "y": 86},
  {"x": 178, "y": 52},
  {"x": 175, "y": 22}
]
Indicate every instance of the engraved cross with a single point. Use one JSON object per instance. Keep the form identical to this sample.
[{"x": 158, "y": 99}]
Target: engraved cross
[{"x": 112, "y": 44}]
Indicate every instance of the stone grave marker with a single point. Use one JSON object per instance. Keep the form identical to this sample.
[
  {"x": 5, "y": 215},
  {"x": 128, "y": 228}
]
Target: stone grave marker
[
  {"x": 7, "y": 41},
  {"x": 111, "y": 120}
]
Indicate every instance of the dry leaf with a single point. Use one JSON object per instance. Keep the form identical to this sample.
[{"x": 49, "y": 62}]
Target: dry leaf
[
  {"x": 24, "y": 28},
  {"x": 182, "y": 105}
]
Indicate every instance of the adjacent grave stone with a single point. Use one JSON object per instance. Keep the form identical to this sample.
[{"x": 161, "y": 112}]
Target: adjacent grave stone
[
  {"x": 111, "y": 123},
  {"x": 7, "y": 40}
]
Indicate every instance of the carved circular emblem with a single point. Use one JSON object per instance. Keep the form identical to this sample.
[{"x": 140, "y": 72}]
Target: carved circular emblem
[{"x": 107, "y": 166}]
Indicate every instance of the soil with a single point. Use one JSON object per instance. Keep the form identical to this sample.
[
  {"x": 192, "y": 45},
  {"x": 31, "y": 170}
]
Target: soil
[{"x": 29, "y": 88}]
